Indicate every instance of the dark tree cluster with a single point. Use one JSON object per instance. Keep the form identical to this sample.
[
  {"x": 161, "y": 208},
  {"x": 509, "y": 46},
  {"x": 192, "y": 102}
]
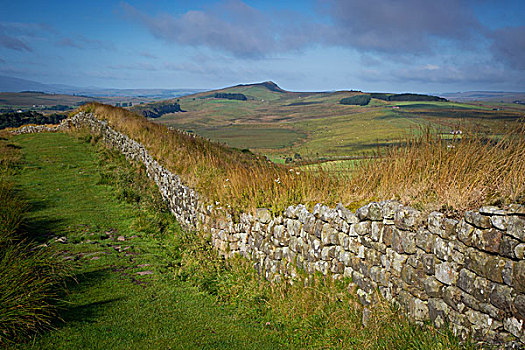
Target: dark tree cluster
[
  {"x": 160, "y": 110},
  {"x": 14, "y": 120},
  {"x": 228, "y": 96},
  {"x": 360, "y": 100},
  {"x": 58, "y": 108},
  {"x": 407, "y": 97}
]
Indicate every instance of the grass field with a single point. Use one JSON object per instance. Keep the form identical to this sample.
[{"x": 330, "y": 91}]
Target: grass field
[
  {"x": 111, "y": 305},
  {"x": 326, "y": 129}
]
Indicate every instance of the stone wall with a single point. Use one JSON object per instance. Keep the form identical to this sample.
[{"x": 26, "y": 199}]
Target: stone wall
[{"x": 469, "y": 273}]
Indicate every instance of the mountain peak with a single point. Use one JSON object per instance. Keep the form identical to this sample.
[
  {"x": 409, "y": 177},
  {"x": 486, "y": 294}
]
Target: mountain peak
[{"x": 270, "y": 85}]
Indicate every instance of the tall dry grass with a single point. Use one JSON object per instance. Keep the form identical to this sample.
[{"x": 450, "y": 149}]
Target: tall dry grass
[
  {"x": 463, "y": 173},
  {"x": 423, "y": 171}
]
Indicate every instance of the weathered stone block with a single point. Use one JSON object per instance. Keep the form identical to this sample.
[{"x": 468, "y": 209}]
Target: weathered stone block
[
  {"x": 492, "y": 210},
  {"x": 452, "y": 296},
  {"x": 514, "y": 326},
  {"x": 387, "y": 235},
  {"x": 394, "y": 261},
  {"x": 434, "y": 223},
  {"x": 516, "y": 227},
  {"x": 389, "y": 208},
  {"x": 371, "y": 211},
  {"x": 438, "y": 311},
  {"x": 466, "y": 232},
  {"x": 377, "y": 231},
  {"x": 407, "y": 218},
  {"x": 499, "y": 222},
  {"x": 403, "y": 241},
  {"x": 478, "y": 220},
  {"x": 425, "y": 240},
  {"x": 263, "y": 215},
  {"x": 482, "y": 289},
  {"x": 488, "y": 240},
  {"x": 483, "y": 264},
  {"x": 361, "y": 228},
  {"x": 433, "y": 287},
  {"x": 501, "y": 297},
  {"x": 447, "y": 272},
  {"x": 518, "y": 276},
  {"x": 507, "y": 246},
  {"x": 466, "y": 280},
  {"x": 519, "y": 250},
  {"x": 519, "y": 306}
]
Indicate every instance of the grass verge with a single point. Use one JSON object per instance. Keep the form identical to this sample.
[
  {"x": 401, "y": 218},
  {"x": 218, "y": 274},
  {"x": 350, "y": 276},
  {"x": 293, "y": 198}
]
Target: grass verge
[{"x": 31, "y": 274}]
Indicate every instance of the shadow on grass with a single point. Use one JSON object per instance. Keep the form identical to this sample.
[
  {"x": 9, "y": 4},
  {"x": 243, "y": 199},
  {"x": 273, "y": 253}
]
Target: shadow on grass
[{"x": 84, "y": 313}]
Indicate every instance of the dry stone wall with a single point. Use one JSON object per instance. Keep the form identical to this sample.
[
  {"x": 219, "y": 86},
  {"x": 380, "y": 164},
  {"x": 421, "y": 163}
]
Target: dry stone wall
[{"x": 469, "y": 273}]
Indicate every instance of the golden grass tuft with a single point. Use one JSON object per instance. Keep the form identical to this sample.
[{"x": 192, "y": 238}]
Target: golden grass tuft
[{"x": 427, "y": 171}]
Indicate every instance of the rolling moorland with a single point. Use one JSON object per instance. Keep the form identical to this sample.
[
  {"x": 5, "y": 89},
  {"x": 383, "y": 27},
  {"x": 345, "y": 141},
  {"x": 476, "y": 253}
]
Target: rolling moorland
[{"x": 315, "y": 126}]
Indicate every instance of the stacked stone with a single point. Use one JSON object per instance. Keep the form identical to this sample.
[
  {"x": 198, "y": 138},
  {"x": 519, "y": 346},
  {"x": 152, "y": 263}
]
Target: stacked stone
[
  {"x": 32, "y": 129},
  {"x": 469, "y": 273}
]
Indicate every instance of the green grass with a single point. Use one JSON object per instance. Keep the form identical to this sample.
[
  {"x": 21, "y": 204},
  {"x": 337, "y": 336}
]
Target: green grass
[
  {"x": 75, "y": 194},
  {"x": 246, "y": 136}
]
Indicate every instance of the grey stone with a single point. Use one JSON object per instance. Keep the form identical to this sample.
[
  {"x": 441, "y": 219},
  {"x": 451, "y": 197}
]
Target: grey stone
[
  {"x": 434, "y": 222},
  {"x": 361, "y": 228},
  {"x": 508, "y": 247},
  {"x": 492, "y": 210},
  {"x": 447, "y": 272},
  {"x": 452, "y": 296},
  {"x": 482, "y": 289},
  {"x": 263, "y": 215},
  {"x": 403, "y": 241},
  {"x": 519, "y": 251},
  {"x": 389, "y": 209},
  {"x": 519, "y": 305},
  {"x": 483, "y": 264},
  {"x": 433, "y": 287},
  {"x": 499, "y": 222},
  {"x": 466, "y": 232},
  {"x": 466, "y": 280},
  {"x": 438, "y": 311},
  {"x": 501, "y": 297},
  {"x": 516, "y": 227},
  {"x": 518, "y": 276},
  {"x": 425, "y": 240},
  {"x": 478, "y": 220},
  {"x": 407, "y": 218},
  {"x": 371, "y": 211},
  {"x": 514, "y": 326},
  {"x": 377, "y": 231}
]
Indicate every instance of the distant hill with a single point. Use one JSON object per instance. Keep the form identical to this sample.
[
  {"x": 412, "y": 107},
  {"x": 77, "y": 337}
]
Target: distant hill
[
  {"x": 270, "y": 85},
  {"x": 492, "y": 96},
  {"x": 11, "y": 84}
]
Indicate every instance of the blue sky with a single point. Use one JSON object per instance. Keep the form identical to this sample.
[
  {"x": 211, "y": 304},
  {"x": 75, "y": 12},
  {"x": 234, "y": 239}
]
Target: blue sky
[{"x": 374, "y": 45}]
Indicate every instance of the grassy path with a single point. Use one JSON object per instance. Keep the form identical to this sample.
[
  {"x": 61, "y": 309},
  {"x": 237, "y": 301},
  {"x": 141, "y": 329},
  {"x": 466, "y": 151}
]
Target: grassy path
[{"x": 125, "y": 296}]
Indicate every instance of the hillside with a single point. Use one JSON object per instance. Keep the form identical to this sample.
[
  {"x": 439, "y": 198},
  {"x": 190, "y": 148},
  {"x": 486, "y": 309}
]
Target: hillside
[{"x": 280, "y": 123}]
